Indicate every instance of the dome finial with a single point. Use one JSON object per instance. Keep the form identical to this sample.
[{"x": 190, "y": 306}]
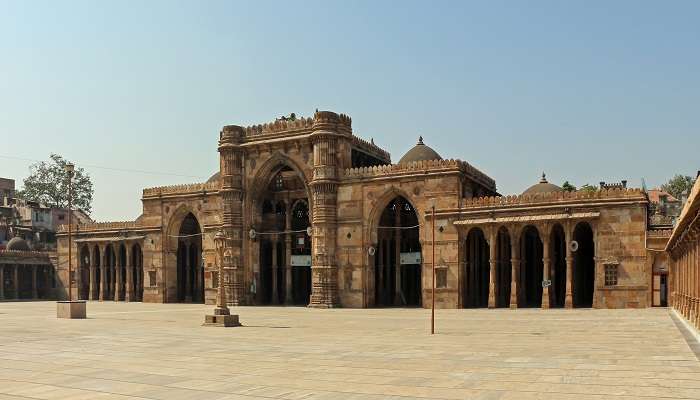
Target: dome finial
[
  {"x": 420, "y": 140},
  {"x": 544, "y": 178}
]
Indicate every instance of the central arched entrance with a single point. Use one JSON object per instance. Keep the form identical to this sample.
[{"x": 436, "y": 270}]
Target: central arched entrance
[
  {"x": 584, "y": 266},
  {"x": 398, "y": 261},
  {"x": 283, "y": 244},
  {"x": 190, "y": 271},
  {"x": 531, "y": 270}
]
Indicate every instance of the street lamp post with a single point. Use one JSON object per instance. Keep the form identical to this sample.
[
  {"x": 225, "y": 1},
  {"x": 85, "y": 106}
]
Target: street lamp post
[
  {"x": 72, "y": 309},
  {"x": 432, "y": 312},
  {"x": 222, "y": 316}
]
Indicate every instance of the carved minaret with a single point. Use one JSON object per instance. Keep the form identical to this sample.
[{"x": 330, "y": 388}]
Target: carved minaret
[
  {"x": 231, "y": 156},
  {"x": 328, "y": 131}
]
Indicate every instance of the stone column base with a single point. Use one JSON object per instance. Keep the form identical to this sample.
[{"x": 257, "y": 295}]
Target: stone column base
[
  {"x": 222, "y": 320},
  {"x": 75, "y": 309}
]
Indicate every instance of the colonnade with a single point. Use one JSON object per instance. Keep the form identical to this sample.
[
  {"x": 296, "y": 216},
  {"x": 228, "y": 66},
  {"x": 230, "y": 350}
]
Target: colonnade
[
  {"x": 111, "y": 275},
  {"x": 518, "y": 267},
  {"x": 191, "y": 270},
  {"x": 685, "y": 275},
  {"x": 11, "y": 287}
]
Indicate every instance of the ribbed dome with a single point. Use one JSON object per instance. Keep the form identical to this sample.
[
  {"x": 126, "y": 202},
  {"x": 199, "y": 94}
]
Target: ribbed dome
[
  {"x": 17, "y": 243},
  {"x": 419, "y": 152},
  {"x": 214, "y": 178},
  {"x": 543, "y": 187}
]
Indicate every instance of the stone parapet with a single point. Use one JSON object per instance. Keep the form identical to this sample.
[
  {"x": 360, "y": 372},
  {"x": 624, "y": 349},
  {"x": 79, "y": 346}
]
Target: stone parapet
[
  {"x": 181, "y": 189},
  {"x": 371, "y": 148},
  {"x": 555, "y": 197},
  {"x": 421, "y": 166},
  {"x": 111, "y": 225}
]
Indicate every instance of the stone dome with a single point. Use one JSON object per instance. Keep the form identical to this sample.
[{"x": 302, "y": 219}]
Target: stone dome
[
  {"x": 214, "y": 178},
  {"x": 17, "y": 243},
  {"x": 420, "y": 152},
  {"x": 543, "y": 187}
]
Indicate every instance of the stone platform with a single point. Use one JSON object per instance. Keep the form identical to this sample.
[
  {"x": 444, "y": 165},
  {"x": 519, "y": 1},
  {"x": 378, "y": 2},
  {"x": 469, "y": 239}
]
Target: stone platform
[{"x": 161, "y": 351}]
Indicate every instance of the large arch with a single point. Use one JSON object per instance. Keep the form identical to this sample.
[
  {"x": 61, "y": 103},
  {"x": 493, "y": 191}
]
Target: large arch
[
  {"x": 98, "y": 273},
  {"x": 503, "y": 267},
  {"x": 398, "y": 256},
  {"x": 281, "y": 251},
  {"x": 531, "y": 270},
  {"x": 109, "y": 278},
  {"x": 584, "y": 266},
  {"x": 189, "y": 272},
  {"x": 137, "y": 272},
  {"x": 477, "y": 269}
]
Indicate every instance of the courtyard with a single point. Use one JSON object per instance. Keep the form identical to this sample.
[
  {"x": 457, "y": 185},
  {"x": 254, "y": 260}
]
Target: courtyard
[{"x": 161, "y": 351}]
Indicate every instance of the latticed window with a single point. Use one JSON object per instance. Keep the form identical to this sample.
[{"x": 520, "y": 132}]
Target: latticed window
[
  {"x": 611, "y": 275},
  {"x": 279, "y": 182}
]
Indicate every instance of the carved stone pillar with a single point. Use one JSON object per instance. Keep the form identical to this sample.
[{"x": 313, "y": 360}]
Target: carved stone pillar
[
  {"x": 231, "y": 161},
  {"x": 2, "y": 282},
  {"x": 35, "y": 294},
  {"x": 493, "y": 262},
  {"x": 514, "y": 267},
  {"x": 328, "y": 128},
  {"x": 568, "y": 299},
  {"x": 273, "y": 267},
  {"x": 188, "y": 272},
  {"x": 129, "y": 295},
  {"x": 288, "y": 299},
  {"x": 15, "y": 279},
  {"x": 103, "y": 273},
  {"x": 546, "y": 234},
  {"x": 118, "y": 265},
  {"x": 397, "y": 255}
]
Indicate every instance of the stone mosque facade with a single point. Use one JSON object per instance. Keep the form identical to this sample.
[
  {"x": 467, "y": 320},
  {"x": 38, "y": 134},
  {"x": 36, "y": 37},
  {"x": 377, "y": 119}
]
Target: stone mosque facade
[{"x": 316, "y": 216}]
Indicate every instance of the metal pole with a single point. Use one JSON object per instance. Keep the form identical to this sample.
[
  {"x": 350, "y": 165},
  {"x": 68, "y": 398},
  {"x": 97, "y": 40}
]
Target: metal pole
[
  {"x": 70, "y": 232},
  {"x": 432, "y": 315}
]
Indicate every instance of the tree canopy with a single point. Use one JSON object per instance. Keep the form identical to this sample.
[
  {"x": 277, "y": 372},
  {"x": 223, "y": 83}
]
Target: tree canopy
[
  {"x": 568, "y": 187},
  {"x": 678, "y": 185},
  {"x": 48, "y": 184}
]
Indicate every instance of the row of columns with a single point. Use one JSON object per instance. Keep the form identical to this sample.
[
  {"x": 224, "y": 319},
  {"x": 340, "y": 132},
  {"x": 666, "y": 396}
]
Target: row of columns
[
  {"x": 192, "y": 268},
  {"x": 13, "y": 271},
  {"x": 287, "y": 265},
  {"x": 515, "y": 235},
  {"x": 685, "y": 271},
  {"x": 112, "y": 288}
]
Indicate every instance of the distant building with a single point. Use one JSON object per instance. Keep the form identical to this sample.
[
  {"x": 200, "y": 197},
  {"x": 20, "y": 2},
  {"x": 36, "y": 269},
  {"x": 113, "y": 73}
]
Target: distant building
[
  {"x": 7, "y": 188},
  {"x": 663, "y": 208}
]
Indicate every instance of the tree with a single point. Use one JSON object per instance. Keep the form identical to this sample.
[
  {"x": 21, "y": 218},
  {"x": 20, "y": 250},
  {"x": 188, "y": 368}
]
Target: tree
[
  {"x": 678, "y": 185},
  {"x": 568, "y": 187},
  {"x": 588, "y": 188},
  {"x": 48, "y": 184}
]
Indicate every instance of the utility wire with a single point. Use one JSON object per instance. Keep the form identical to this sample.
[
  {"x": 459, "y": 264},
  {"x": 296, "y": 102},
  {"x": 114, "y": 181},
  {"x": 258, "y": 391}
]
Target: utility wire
[{"x": 138, "y": 171}]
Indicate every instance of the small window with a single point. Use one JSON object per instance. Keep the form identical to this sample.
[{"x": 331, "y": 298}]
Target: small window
[
  {"x": 441, "y": 278},
  {"x": 152, "y": 278},
  {"x": 611, "y": 275}
]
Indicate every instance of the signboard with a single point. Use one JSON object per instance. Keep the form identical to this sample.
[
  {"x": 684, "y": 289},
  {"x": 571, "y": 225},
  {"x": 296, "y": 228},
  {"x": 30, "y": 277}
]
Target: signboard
[
  {"x": 410, "y": 258},
  {"x": 301, "y": 261}
]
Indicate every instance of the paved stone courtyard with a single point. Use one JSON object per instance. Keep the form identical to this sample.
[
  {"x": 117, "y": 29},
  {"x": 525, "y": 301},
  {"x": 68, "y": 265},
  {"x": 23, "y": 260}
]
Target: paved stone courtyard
[{"x": 160, "y": 351}]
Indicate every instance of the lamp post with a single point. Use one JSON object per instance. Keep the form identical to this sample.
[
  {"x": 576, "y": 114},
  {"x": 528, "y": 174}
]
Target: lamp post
[
  {"x": 222, "y": 316},
  {"x": 70, "y": 170},
  {"x": 432, "y": 313},
  {"x": 72, "y": 309}
]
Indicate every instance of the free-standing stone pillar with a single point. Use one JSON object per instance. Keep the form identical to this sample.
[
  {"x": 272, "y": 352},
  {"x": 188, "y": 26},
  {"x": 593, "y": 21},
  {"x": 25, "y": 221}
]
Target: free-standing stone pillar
[
  {"x": 129, "y": 295},
  {"x": 35, "y": 293},
  {"x": 492, "y": 266},
  {"x": 545, "y": 265},
  {"x": 568, "y": 300},
  {"x": 514, "y": 268}
]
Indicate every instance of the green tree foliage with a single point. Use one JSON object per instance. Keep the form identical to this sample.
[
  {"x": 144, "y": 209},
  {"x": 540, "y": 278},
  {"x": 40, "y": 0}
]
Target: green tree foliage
[
  {"x": 48, "y": 184},
  {"x": 568, "y": 187},
  {"x": 588, "y": 188},
  {"x": 677, "y": 185}
]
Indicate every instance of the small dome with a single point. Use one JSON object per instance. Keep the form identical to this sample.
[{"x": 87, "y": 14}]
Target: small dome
[
  {"x": 214, "y": 178},
  {"x": 17, "y": 243},
  {"x": 543, "y": 187},
  {"x": 420, "y": 152}
]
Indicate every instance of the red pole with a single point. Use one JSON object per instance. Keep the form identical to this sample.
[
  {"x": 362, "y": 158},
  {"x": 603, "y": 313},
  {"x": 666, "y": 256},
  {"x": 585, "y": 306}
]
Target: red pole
[{"x": 432, "y": 316}]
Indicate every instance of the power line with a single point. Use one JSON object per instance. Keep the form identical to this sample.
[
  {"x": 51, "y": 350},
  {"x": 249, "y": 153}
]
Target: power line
[{"x": 138, "y": 171}]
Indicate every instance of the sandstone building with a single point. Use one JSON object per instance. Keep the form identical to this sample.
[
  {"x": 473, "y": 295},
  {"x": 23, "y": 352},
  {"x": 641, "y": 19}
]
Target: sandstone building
[{"x": 317, "y": 216}]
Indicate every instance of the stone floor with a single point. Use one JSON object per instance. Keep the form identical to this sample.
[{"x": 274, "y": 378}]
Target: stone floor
[{"x": 160, "y": 351}]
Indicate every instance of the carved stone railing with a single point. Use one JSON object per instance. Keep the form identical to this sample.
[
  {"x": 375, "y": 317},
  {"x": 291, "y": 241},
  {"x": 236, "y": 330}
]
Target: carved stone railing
[
  {"x": 660, "y": 233},
  {"x": 553, "y": 197},
  {"x": 111, "y": 225},
  {"x": 24, "y": 253},
  {"x": 431, "y": 165},
  {"x": 361, "y": 143},
  {"x": 279, "y": 126},
  {"x": 186, "y": 188}
]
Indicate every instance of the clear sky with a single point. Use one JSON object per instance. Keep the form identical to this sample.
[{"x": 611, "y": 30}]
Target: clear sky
[{"x": 584, "y": 90}]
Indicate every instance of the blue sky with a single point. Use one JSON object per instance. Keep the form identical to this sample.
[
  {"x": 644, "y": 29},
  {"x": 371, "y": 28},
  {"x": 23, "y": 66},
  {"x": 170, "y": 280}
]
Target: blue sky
[{"x": 584, "y": 90}]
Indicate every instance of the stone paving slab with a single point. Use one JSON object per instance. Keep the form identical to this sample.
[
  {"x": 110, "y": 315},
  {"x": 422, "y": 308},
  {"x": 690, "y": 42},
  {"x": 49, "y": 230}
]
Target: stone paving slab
[{"x": 161, "y": 351}]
